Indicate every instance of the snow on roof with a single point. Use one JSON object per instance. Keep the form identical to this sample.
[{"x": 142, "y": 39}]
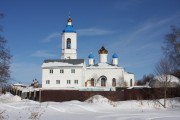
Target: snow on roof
[
  {"x": 102, "y": 65},
  {"x": 171, "y": 78},
  {"x": 30, "y": 89},
  {"x": 21, "y": 85},
  {"x": 128, "y": 73},
  {"x": 63, "y": 63}
]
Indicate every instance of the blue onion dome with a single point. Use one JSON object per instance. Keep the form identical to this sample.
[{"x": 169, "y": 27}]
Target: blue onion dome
[
  {"x": 103, "y": 50},
  {"x": 69, "y": 28},
  {"x": 91, "y": 55},
  {"x": 114, "y": 55}
]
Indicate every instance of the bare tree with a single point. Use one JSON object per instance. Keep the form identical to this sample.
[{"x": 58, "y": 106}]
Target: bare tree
[
  {"x": 172, "y": 49},
  {"x": 163, "y": 70},
  {"x": 5, "y": 58}
]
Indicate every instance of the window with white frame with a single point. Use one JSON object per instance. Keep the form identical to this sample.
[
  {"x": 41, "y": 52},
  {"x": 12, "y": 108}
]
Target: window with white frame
[
  {"x": 57, "y": 81},
  {"x": 72, "y": 70},
  {"x": 61, "y": 71},
  {"x": 51, "y": 71},
  {"x": 68, "y": 81},
  {"x": 75, "y": 81},
  {"x": 47, "y": 81}
]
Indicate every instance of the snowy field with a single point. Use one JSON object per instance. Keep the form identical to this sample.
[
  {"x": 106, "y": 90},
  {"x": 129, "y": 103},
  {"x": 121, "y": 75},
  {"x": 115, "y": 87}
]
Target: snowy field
[{"x": 96, "y": 108}]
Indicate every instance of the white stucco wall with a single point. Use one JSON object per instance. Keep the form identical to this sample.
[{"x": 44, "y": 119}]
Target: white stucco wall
[
  {"x": 110, "y": 73},
  {"x": 128, "y": 77},
  {"x": 63, "y": 77},
  {"x": 83, "y": 75}
]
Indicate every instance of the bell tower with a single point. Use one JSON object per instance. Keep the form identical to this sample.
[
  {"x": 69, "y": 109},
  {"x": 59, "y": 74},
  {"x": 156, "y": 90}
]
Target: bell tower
[{"x": 69, "y": 41}]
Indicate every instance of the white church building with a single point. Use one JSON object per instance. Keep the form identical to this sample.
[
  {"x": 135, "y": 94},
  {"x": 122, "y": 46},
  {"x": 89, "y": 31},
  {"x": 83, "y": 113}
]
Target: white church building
[{"x": 71, "y": 72}]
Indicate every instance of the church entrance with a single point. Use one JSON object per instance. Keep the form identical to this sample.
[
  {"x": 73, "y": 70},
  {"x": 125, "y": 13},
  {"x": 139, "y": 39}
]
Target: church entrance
[{"x": 103, "y": 81}]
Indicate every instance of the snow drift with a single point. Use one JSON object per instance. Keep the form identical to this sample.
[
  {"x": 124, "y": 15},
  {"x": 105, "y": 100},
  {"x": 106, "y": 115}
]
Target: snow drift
[{"x": 95, "y": 108}]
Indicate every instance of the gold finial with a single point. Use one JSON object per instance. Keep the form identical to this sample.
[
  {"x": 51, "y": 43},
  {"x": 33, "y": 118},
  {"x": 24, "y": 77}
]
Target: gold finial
[{"x": 69, "y": 18}]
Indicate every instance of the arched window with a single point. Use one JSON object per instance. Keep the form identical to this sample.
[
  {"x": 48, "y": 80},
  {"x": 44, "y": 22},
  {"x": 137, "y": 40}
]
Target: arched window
[
  {"x": 92, "y": 81},
  {"x": 130, "y": 82},
  {"x": 103, "y": 81},
  {"x": 68, "y": 45},
  {"x": 114, "y": 82}
]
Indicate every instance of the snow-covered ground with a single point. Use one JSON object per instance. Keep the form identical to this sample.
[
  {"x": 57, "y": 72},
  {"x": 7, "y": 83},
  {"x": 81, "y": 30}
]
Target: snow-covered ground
[{"x": 95, "y": 108}]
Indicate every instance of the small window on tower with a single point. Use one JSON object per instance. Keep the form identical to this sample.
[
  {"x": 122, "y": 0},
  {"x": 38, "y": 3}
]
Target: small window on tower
[{"x": 68, "y": 43}]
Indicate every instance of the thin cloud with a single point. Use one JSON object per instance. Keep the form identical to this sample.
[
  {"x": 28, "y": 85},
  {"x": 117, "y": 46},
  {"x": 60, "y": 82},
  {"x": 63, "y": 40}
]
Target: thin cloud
[
  {"x": 43, "y": 53},
  {"x": 141, "y": 33},
  {"x": 52, "y": 36},
  {"x": 144, "y": 38},
  {"x": 155, "y": 25},
  {"x": 93, "y": 32}
]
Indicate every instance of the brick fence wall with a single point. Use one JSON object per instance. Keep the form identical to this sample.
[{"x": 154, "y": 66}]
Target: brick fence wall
[
  {"x": 126, "y": 94},
  {"x": 150, "y": 93},
  {"x": 68, "y": 95}
]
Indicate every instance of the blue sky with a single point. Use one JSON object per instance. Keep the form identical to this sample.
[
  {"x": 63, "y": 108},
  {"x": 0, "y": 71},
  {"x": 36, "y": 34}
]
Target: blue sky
[{"x": 134, "y": 29}]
